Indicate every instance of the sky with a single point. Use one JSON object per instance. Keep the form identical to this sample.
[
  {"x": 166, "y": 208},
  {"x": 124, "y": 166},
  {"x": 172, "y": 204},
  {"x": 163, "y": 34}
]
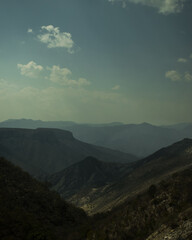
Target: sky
[{"x": 96, "y": 61}]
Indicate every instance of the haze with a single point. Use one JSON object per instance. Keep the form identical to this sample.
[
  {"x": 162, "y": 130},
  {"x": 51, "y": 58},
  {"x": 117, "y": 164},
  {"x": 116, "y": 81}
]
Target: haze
[{"x": 96, "y": 61}]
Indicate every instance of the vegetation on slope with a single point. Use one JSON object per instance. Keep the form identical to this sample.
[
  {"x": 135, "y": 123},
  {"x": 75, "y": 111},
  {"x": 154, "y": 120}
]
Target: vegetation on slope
[
  {"x": 167, "y": 204},
  {"x": 29, "y": 211}
]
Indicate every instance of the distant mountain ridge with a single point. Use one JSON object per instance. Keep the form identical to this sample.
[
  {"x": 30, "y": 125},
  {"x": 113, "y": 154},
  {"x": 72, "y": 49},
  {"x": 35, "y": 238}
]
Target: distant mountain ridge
[
  {"x": 43, "y": 151},
  {"x": 140, "y": 140},
  {"x": 32, "y": 124}
]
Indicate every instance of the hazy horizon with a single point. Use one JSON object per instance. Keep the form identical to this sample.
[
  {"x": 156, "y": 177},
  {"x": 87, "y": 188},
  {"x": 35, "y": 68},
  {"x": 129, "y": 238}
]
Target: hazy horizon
[
  {"x": 94, "y": 123},
  {"x": 98, "y": 61}
]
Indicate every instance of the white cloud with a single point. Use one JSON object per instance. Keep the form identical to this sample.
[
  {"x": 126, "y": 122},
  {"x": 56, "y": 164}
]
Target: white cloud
[
  {"x": 173, "y": 76},
  {"x": 30, "y": 30},
  {"x": 163, "y": 6},
  {"x": 53, "y": 38},
  {"x": 59, "y": 75},
  {"x": 182, "y": 60},
  {"x": 31, "y": 69},
  {"x": 188, "y": 77},
  {"x": 116, "y": 87},
  {"x": 63, "y": 77},
  {"x": 176, "y": 76},
  {"x": 83, "y": 81}
]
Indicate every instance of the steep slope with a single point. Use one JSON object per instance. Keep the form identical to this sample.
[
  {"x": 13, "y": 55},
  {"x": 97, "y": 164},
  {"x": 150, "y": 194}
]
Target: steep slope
[
  {"x": 162, "y": 211},
  {"x": 145, "y": 172},
  {"x": 50, "y": 150},
  {"x": 86, "y": 175},
  {"x": 29, "y": 211},
  {"x": 138, "y": 139}
]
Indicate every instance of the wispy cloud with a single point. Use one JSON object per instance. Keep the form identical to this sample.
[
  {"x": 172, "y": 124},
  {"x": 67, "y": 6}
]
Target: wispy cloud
[
  {"x": 116, "y": 87},
  {"x": 54, "y": 38},
  {"x": 30, "y": 69},
  {"x": 62, "y": 76},
  {"x": 175, "y": 76},
  {"x": 182, "y": 60},
  {"x": 29, "y": 30},
  {"x": 163, "y": 6},
  {"x": 188, "y": 77}
]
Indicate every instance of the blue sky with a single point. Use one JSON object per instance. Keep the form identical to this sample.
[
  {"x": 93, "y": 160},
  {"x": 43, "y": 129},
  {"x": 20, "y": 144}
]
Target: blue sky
[{"x": 96, "y": 60}]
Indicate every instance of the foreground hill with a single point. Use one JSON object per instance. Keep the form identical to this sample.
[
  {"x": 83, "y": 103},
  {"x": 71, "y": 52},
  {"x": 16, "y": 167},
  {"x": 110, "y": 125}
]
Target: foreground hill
[
  {"x": 86, "y": 175},
  {"x": 161, "y": 212},
  {"x": 29, "y": 211},
  {"x": 140, "y": 140},
  {"x": 144, "y": 173},
  {"x": 50, "y": 150}
]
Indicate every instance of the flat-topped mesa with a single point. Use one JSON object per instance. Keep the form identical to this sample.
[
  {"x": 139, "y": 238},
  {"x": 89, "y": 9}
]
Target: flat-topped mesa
[
  {"x": 48, "y": 132},
  {"x": 39, "y": 133},
  {"x": 50, "y": 150}
]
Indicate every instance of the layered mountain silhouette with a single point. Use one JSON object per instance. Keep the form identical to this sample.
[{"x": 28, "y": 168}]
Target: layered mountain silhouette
[
  {"x": 43, "y": 151},
  {"x": 29, "y": 211},
  {"x": 138, "y": 139},
  {"x": 33, "y": 124},
  {"x": 142, "y": 174},
  {"x": 148, "y": 199}
]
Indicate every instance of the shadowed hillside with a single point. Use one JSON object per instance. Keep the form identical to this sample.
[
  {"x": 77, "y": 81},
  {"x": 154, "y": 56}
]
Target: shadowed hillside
[
  {"x": 29, "y": 211},
  {"x": 163, "y": 211},
  {"x": 160, "y": 210},
  {"x": 86, "y": 175},
  {"x": 144, "y": 173}
]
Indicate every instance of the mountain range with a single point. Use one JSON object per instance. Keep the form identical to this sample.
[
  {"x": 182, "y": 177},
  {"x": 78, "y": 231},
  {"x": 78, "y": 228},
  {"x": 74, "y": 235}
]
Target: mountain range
[
  {"x": 129, "y": 138},
  {"x": 30, "y": 211},
  {"x": 127, "y": 197},
  {"x": 47, "y": 151},
  {"x": 89, "y": 185}
]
